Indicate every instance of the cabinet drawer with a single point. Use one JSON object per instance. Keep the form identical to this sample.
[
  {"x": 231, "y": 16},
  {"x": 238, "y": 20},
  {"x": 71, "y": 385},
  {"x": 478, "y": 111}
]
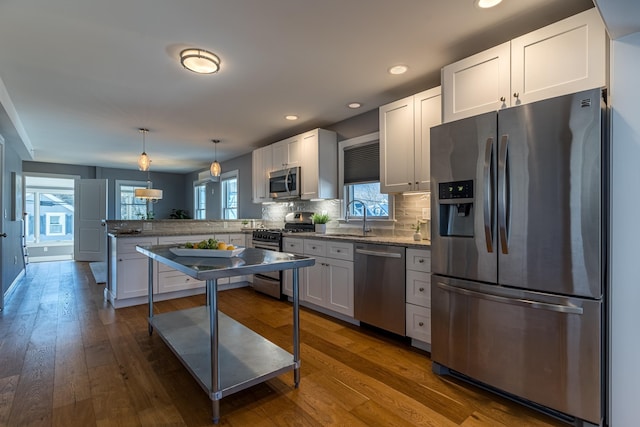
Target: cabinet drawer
[
  {"x": 128, "y": 246},
  {"x": 419, "y": 288},
  {"x": 419, "y": 260},
  {"x": 340, "y": 250},
  {"x": 418, "y": 323},
  {"x": 173, "y": 280},
  {"x": 315, "y": 247},
  {"x": 295, "y": 246}
]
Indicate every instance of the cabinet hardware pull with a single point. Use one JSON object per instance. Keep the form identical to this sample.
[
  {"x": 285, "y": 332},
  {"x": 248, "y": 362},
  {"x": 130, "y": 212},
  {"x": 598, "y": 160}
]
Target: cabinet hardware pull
[
  {"x": 421, "y": 260},
  {"x": 421, "y": 324},
  {"x": 516, "y": 95},
  {"x": 502, "y": 99},
  {"x": 421, "y": 289},
  {"x": 338, "y": 250}
]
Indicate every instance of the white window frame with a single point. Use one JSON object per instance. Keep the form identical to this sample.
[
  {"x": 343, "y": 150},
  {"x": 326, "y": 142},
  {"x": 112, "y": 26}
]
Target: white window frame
[
  {"x": 63, "y": 226},
  {"x": 223, "y": 199},
  {"x": 342, "y": 193},
  {"x": 197, "y": 185},
  {"x": 137, "y": 184}
]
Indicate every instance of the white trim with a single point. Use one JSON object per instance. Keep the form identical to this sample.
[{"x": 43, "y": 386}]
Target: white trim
[{"x": 118, "y": 196}]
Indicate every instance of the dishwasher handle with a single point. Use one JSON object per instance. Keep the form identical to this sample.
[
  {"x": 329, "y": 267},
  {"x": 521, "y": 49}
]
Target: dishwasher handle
[{"x": 379, "y": 253}]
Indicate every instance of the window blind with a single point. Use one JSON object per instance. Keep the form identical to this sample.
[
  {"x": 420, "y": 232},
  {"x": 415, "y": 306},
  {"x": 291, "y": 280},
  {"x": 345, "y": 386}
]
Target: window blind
[{"x": 362, "y": 163}]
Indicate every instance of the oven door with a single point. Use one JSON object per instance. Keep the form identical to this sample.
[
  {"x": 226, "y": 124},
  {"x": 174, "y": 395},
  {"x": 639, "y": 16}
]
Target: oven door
[{"x": 269, "y": 283}]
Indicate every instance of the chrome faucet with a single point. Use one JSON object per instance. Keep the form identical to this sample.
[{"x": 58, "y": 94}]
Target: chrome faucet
[{"x": 365, "y": 229}]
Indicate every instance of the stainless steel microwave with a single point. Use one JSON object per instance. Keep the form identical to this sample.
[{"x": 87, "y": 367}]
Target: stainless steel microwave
[{"x": 285, "y": 183}]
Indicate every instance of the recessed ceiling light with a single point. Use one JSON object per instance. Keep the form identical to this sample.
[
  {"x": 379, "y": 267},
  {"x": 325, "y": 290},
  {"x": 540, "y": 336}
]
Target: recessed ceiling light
[
  {"x": 354, "y": 105},
  {"x": 291, "y": 117},
  {"x": 398, "y": 69},
  {"x": 486, "y": 4}
]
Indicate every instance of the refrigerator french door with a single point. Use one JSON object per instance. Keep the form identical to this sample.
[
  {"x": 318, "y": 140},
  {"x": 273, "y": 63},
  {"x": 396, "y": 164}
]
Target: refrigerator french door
[{"x": 518, "y": 255}]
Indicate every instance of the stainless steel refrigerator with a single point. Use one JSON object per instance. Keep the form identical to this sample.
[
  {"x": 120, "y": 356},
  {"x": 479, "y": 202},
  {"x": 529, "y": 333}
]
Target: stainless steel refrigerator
[{"x": 519, "y": 252}]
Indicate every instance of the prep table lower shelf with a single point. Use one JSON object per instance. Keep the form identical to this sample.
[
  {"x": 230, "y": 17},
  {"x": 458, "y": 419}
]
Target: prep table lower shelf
[{"x": 244, "y": 357}]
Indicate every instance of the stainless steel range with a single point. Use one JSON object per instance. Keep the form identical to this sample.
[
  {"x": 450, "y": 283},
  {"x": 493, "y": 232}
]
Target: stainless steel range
[{"x": 271, "y": 240}]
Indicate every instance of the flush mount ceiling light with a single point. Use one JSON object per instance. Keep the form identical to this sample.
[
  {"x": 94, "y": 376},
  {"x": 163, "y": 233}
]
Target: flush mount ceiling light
[
  {"x": 354, "y": 105},
  {"x": 200, "y": 61},
  {"x": 215, "y": 168},
  {"x": 143, "y": 160},
  {"x": 291, "y": 117},
  {"x": 486, "y": 4},
  {"x": 398, "y": 69}
]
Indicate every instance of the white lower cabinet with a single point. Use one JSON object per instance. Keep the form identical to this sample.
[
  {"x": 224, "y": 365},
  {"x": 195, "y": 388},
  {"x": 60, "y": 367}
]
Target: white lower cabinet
[
  {"x": 128, "y": 269},
  {"x": 328, "y": 283},
  {"x": 170, "y": 280},
  {"x": 418, "y": 295}
]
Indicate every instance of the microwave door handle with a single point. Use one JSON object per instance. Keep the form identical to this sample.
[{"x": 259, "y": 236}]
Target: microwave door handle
[
  {"x": 286, "y": 181},
  {"x": 488, "y": 192},
  {"x": 503, "y": 158}
]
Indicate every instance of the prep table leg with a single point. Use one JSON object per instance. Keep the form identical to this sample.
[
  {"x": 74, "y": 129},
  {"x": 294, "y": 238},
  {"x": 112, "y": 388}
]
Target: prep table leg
[
  {"x": 296, "y": 329},
  {"x": 150, "y": 290},
  {"x": 212, "y": 289}
]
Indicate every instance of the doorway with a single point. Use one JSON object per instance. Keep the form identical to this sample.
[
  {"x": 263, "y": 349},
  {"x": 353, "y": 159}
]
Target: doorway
[{"x": 49, "y": 208}]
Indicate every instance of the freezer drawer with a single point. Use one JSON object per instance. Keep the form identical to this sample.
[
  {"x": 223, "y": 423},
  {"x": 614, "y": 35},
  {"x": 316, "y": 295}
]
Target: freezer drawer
[{"x": 542, "y": 348}]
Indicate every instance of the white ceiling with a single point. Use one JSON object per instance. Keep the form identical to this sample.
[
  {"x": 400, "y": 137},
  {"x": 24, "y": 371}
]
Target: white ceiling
[{"x": 84, "y": 75}]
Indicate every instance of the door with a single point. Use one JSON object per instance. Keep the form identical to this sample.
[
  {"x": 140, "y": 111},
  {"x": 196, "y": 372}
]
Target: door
[
  {"x": 550, "y": 195},
  {"x": 90, "y": 241},
  {"x": 2, "y": 216},
  {"x": 463, "y": 160}
]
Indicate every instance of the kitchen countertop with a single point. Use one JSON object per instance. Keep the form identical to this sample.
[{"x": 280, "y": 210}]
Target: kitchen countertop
[
  {"x": 383, "y": 240},
  {"x": 161, "y": 233}
]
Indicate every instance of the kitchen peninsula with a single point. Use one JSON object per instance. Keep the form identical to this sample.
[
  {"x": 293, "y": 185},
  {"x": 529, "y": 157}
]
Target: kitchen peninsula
[{"x": 223, "y": 355}]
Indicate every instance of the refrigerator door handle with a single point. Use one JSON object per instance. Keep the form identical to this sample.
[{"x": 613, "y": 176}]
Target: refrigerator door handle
[
  {"x": 558, "y": 308},
  {"x": 502, "y": 193},
  {"x": 488, "y": 232}
]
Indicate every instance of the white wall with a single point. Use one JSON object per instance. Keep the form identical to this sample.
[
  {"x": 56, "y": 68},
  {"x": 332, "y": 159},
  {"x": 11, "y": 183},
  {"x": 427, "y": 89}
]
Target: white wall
[{"x": 625, "y": 232}]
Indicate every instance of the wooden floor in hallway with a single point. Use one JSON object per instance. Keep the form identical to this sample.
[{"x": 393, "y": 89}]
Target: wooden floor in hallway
[{"x": 67, "y": 358}]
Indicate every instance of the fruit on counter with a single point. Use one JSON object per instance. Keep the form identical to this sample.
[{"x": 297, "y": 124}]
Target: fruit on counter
[
  {"x": 230, "y": 247},
  {"x": 204, "y": 244},
  {"x": 222, "y": 246}
]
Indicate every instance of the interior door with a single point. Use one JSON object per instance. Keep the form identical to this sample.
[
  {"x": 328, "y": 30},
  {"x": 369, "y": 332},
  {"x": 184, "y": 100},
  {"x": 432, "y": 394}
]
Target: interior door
[
  {"x": 90, "y": 241},
  {"x": 2, "y": 215}
]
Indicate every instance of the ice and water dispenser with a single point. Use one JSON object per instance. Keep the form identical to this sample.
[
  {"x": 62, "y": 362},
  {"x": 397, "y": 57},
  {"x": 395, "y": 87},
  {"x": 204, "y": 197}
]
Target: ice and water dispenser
[{"x": 455, "y": 200}]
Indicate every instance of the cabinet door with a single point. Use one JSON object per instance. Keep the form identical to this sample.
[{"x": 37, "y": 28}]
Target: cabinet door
[
  {"x": 132, "y": 277},
  {"x": 287, "y": 282},
  {"x": 428, "y": 113},
  {"x": 565, "y": 57},
  {"x": 319, "y": 165},
  {"x": 261, "y": 166},
  {"x": 313, "y": 283},
  {"x": 396, "y": 146},
  {"x": 477, "y": 84},
  {"x": 310, "y": 166},
  {"x": 339, "y": 286},
  {"x": 418, "y": 323},
  {"x": 287, "y": 153}
]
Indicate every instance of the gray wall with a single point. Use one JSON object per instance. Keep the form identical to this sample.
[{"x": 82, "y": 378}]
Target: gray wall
[{"x": 171, "y": 184}]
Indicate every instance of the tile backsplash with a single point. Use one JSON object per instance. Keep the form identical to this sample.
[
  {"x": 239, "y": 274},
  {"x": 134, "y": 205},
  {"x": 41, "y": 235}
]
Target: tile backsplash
[{"x": 408, "y": 209}]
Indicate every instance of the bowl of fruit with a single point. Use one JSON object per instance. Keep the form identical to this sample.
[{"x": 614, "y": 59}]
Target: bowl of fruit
[{"x": 207, "y": 248}]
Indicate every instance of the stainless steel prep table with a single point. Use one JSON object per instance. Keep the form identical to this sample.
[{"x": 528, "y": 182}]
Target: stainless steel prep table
[{"x": 223, "y": 355}]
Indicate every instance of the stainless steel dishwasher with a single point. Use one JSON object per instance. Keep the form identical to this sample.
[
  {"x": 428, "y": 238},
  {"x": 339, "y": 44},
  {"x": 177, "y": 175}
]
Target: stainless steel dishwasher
[{"x": 379, "y": 296}]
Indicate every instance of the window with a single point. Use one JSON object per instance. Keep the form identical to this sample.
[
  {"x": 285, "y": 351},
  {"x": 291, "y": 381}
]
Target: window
[
  {"x": 360, "y": 174},
  {"x": 200, "y": 200},
  {"x": 128, "y": 206},
  {"x": 229, "y": 184},
  {"x": 55, "y": 224}
]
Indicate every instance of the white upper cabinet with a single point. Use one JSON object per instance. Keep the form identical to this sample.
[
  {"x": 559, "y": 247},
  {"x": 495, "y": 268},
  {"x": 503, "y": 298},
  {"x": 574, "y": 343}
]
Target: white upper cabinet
[
  {"x": 319, "y": 166},
  {"x": 287, "y": 153},
  {"x": 405, "y": 141},
  {"x": 477, "y": 84},
  {"x": 565, "y": 57},
  {"x": 261, "y": 166}
]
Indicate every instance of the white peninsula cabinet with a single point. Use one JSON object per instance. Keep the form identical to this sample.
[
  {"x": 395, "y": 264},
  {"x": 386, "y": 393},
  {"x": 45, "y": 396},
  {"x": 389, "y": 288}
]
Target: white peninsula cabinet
[
  {"x": 565, "y": 57},
  {"x": 261, "y": 163},
  {"x": 418, "y": 297},
  {"x": 405, "y": 135},
  {"x": 128, "y": 278},
  {"x": 292, "y": 246}
]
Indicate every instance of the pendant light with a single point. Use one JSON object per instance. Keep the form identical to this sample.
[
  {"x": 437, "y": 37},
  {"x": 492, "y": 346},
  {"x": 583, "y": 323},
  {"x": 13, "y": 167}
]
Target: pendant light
[
  {"x": 215, "y": 168},
  {"x": 143, "y": 160}
]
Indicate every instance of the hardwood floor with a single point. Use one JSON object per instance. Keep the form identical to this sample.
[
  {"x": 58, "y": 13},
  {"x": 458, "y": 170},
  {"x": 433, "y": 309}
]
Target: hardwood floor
[{"x": 69, "y": 359}]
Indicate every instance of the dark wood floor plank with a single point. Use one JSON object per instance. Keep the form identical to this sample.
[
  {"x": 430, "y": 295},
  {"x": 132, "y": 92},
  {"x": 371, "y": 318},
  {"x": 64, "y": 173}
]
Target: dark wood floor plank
[{"x": 8, "y": 387}]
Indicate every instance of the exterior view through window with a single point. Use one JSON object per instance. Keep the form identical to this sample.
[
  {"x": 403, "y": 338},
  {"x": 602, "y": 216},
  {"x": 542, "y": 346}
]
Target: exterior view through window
[
  {"x": 377, "y": 204},
  {"x": 200, "y": 201},
  {"x": 129, "y": 206},
  {"x": 229, "y": 184}
]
